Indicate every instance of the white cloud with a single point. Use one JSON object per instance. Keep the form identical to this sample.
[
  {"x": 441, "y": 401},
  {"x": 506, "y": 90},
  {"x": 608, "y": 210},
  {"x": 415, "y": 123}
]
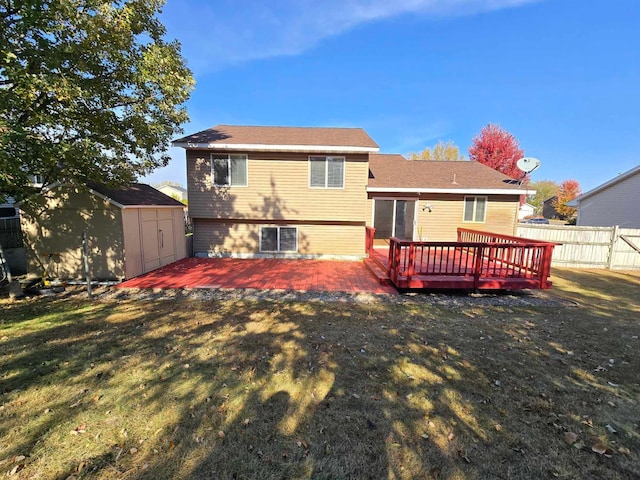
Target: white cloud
[{"x": 227, "y": 32}]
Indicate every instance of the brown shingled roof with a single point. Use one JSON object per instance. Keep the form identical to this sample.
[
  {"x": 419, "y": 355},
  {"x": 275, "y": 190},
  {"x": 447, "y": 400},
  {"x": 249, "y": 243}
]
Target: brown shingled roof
[
  {"x": 136, "y": 194},
  {"x": 395, "y": 171},
  {"x": 308, "y": 136}
]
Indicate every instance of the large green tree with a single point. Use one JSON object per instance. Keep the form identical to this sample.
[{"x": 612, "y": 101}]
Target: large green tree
[
  {"x": 545, "y": 189},
  {"x": 90, "y": 91}
]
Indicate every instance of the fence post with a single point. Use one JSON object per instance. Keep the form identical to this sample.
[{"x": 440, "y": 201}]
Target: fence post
[{"x": 612, "y": 246}]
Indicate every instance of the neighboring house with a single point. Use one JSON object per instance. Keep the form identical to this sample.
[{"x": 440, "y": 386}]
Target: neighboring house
[
  {"x": 549, "y": 209},
  {"x": 616, "y": 202},
  {"x": 310, "y": 192},
  {"x": 526, "y": 210},
  {"x": 130, "y": 231},
  {"x": 174, "y": 191}
]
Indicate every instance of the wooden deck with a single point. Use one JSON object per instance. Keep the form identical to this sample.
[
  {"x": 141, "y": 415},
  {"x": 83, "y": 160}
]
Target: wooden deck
[{"x": 477, "y": 261}]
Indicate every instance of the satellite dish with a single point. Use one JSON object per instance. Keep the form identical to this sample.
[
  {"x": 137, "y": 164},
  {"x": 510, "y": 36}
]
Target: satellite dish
[{"x": 528, "y": 164}]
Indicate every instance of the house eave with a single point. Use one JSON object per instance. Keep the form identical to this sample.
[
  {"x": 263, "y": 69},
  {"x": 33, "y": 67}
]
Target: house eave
[
  {"x": 474, "y": 191},
  {"x": 275, "y": 148},
  {"x": 623, "y": 176}
]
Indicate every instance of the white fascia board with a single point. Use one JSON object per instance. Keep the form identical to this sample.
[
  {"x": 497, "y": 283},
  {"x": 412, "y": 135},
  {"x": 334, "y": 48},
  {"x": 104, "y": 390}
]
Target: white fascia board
[
  {"x": 276, "y": 148},
  {"x": 466, "y": 191},
  {"x": 619, "y": 178},
  {"x": 105, "y": 198}
]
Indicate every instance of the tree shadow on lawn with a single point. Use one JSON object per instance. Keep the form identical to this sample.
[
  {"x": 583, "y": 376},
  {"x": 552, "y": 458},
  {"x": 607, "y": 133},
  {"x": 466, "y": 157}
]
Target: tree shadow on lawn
[{"x": 195, "y": 389}]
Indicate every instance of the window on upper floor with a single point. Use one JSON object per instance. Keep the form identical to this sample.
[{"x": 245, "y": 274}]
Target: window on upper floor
[
  {"x": 326, "y": 172},
  {"x": 229, "y": 170},
  {"x": 278, "y": 239},
  {"x": 475, "y": 209}
]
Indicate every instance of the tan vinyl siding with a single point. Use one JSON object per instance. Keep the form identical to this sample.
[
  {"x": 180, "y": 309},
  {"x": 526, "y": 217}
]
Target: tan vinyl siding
[
  {"x": 446, "y": 216},
  {"x": 278, "y": 188},
  {"x": 215, "y": 238},
  {"x": 614, "y": 205},
  {"x": 337, "y": 239},
  {"x": 55, "y": 226}
]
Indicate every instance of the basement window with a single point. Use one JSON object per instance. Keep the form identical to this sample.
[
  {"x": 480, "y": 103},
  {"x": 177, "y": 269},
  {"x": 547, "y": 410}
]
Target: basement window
[{"x": 279, "y": 239}]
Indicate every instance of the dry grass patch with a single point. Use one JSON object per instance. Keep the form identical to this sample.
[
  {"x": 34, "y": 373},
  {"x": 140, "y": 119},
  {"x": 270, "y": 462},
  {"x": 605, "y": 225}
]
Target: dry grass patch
[{"x": 263, "y": 390}]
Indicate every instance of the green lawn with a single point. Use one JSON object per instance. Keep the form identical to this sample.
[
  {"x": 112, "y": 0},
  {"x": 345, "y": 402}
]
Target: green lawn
[{"x": 185, "y": 388}]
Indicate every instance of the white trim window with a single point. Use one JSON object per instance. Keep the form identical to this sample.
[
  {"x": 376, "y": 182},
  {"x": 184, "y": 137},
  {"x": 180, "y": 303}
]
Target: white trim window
[
  {"x": 278, "y": 239},
  {"x": 475, "y": 209},
  {"x": 326, "y": 172},
  {"x": 229, "y": 170}
]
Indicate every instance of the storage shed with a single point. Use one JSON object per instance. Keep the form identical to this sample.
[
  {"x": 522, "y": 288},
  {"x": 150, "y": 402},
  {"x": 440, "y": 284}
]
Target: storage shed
[{"x": 130, "y": 231}]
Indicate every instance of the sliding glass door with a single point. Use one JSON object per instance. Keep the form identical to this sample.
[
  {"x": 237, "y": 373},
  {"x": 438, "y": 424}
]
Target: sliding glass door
[{"x": 394, "y": 218}]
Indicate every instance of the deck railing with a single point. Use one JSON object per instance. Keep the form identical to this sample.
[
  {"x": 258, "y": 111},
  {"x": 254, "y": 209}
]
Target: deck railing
[{"x": 477, "y": 258}]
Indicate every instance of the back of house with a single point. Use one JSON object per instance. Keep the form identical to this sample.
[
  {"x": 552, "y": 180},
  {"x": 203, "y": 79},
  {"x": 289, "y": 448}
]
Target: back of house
[
  {"x": 265, "y": 191},
  {"x": 309, "y": 192}
]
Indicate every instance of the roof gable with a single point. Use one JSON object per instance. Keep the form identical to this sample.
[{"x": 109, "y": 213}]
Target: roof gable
[
  {"x": 605, "y": 185},
  {"x": 394, "y": 172},
  {"x": 238, "y": 137}
]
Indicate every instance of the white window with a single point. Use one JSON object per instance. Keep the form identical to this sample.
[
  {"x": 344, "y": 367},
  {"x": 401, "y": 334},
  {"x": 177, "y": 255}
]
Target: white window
[
  {"x": 278, "y": 239},
  {"x": 326, "y": 172},
  {"x": 475, "y": 209},
  {"x": 229, "y": 170}
]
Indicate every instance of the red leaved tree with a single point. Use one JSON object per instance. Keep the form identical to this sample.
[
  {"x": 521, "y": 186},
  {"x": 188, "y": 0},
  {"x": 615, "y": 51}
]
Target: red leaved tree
[
  {"x": 569, "y": 189},
  {"x": 498, "y": 149}
]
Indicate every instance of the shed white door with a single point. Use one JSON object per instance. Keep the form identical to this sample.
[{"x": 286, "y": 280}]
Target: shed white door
[
  {"x": 158, "y": 239},
  {"x": 166, "y": 237}
]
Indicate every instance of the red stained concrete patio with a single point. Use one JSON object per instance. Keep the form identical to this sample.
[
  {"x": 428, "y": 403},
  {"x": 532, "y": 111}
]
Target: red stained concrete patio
[{"x": 263, "y": 274}]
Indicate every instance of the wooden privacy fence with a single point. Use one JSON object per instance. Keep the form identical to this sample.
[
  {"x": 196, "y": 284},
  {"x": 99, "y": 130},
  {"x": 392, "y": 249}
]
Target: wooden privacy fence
[
  {"x": 10, "y": 233},
  {"x": 612, "y": 248}
]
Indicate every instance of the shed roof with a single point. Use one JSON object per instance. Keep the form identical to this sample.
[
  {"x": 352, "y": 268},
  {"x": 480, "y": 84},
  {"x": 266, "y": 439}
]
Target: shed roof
[
  {"x": 136, "y": 194},
  {"x": 279, "y": 138},
  {"x": 395, "y": 173}
]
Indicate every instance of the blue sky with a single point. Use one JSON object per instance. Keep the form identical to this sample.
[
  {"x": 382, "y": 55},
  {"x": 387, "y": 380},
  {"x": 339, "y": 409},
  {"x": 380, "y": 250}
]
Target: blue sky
[{"x": 563, "y": 76}]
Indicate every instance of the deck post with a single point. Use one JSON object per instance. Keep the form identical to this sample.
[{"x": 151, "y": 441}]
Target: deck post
[
  {"x": 411, "y": 267},
  {"x": 477, "y": 269},
  {"x": 369, "y": 237},
  {"x": 545, "y": 267}
]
